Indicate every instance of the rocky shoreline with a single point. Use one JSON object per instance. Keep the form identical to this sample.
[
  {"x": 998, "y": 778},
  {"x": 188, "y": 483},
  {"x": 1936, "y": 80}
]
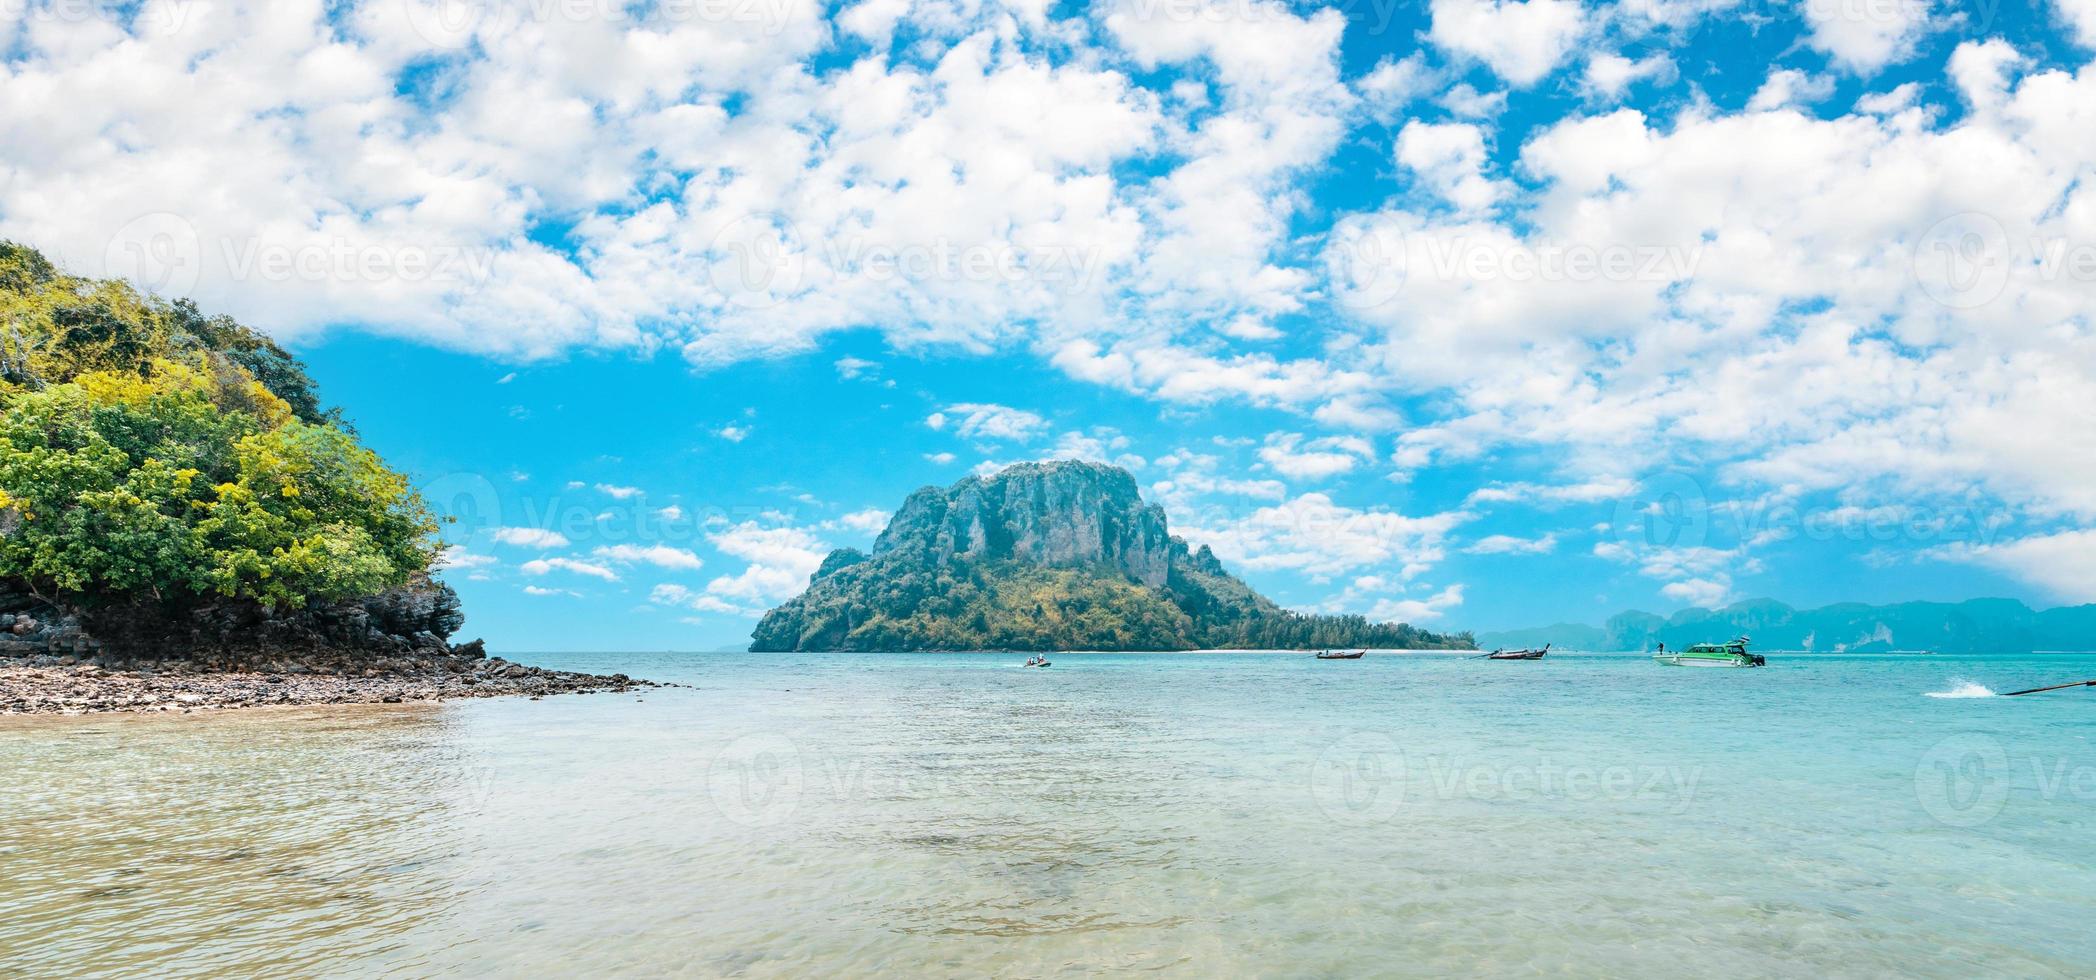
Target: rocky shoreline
[
  {"x": 389, "y": 648},
  {"x": 64, "y": 685}
]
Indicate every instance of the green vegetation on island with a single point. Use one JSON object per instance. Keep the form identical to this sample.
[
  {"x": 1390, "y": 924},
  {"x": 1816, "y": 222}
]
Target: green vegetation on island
[
  {"x": 1048, "y": 556},
  {"x": 152, "y": 455}
]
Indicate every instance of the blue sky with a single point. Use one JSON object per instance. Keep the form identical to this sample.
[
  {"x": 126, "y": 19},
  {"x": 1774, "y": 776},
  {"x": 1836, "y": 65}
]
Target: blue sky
[{"x": 1476, "y": 314}]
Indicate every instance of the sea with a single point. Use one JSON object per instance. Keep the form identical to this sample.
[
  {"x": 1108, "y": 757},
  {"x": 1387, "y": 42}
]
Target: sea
[{"x": 1227, "y": 814}]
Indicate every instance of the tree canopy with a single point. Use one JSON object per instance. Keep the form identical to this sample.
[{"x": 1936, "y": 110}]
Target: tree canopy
[{"x": 149, "y": 451}]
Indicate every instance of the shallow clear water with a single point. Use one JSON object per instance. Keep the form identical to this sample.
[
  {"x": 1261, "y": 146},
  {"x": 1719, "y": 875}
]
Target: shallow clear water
[{"x": 957, "y": 814}]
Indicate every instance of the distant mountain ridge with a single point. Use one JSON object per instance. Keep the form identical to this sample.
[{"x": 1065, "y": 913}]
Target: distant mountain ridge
[
  {"x": 1973, "y": 626},
  {"x": 1062, "y": 555}
]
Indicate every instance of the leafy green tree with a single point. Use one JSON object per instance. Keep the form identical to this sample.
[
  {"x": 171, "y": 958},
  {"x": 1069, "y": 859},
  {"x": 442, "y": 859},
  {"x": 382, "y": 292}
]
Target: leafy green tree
[{"x": 149, "y": 452}]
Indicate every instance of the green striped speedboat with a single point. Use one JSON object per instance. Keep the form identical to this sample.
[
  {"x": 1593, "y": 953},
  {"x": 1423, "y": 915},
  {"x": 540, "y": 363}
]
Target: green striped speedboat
[{"x": 1733, "y": 654}]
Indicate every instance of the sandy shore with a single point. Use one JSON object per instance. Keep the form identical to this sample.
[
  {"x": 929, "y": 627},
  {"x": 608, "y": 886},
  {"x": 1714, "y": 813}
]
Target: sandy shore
[{"x": 46, "y": 685}]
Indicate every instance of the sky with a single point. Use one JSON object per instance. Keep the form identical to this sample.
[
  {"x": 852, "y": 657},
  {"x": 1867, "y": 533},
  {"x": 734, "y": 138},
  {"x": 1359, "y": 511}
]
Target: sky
[{"x": 1469, "y": 313}]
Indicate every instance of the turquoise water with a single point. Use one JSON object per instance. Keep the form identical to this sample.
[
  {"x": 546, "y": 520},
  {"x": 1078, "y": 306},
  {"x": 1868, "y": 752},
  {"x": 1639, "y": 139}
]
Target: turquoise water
[{"x": 1192, "y": 814}]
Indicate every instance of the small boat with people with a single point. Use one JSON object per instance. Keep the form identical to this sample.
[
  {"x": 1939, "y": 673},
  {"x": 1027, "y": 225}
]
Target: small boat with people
[
  {"x": 1529, "y": 654},
  {"x": 1037, "y": 661},
  {"x": 1336, "y": 655},
  {"x": 1733, "y": 654}
]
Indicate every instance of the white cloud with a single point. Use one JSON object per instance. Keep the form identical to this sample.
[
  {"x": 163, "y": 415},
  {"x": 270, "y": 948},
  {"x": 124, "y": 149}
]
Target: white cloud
[
  {"x": 1609, "y": 76},
  {"x": 2062, "y": 563},
  {"x": 540, "y": 566},
  {"x": 1866, "y": 35},
  {"x": 1703, "y": 592},
  {"x": 1521, "y": 41},
  {"x": 1790, "y": 88},
  {"x": 849, "y": 368},
  {"x": 781, "y": 561},
  {"x": 733, "y": 433},
  {"x": 1394, "y": 84},
  {"x": 1450, "y": 159},
  {"x": 671, "y": 513},
  {"x": 1588, "y": 492},
  {"x": 530, "y": 537},
  {"x": 618, "y": 492},
  {"x": 2080, "y": 17},
  {"x": 659, "y": 555},
  {"x": 541, "y": 591},
  {"x": 1313, "y": 535},
  {"x": 1694, "y": 574},
  {"x": 988, "y": 421},
  {"x": 1424, "y": 610},
  {"x": 457, "y": 557},
  {"x": 869, "y": 521},
  {"x": 940, "y": 459},
  {"x": 1505, "y": 544},
  {"x": 1316, "y": 459}
]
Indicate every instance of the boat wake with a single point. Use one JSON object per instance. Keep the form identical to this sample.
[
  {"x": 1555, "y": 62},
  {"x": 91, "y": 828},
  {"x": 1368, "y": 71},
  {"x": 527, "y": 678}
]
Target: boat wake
[{"x": 1964, "y": 689}]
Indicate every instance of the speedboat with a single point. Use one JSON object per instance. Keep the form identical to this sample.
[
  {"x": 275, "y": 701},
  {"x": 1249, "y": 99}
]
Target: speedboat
[
  {"x": 1518, "y": 654},
  {"x": 1037, "y": 662},
  {"x": 1329, "y": 655},
  {"x": 1733, "y": 654}
]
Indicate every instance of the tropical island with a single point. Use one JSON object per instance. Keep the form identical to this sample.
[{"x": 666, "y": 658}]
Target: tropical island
[
  {"x": 183, "y": 525},
  {"x": 1061, "y": 555}
]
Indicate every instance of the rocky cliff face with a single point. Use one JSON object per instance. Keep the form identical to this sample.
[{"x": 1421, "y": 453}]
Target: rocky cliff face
[{"x": 1058, "y": 515}]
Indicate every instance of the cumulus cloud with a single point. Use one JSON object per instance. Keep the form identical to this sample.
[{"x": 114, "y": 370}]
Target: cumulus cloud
[
  {"x": 1290, "y": 455},
  {"x": 990, "y": 422},
  {"x": 661, "y": 556},
  {"x": 1521, "y": 40},
  {"x": 541, "y": 566},
  {"x": 869, "y": 521},
  {"x": 1314, "y": 535},
  {"x": 2063, "y": 563},
  {"x": 1867, "y": 36},
  {"x": 780, "y": 560},
  {"x": 1425, "y": 610},
  {"x": 1506, "y": 544},
  {"x": 530, "y": 537}
]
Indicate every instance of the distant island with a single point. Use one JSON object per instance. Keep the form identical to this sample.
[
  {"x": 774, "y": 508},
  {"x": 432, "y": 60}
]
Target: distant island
[
  {"x": 1974, "y": 626},
  {"x": 1060, "y": 555}
]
